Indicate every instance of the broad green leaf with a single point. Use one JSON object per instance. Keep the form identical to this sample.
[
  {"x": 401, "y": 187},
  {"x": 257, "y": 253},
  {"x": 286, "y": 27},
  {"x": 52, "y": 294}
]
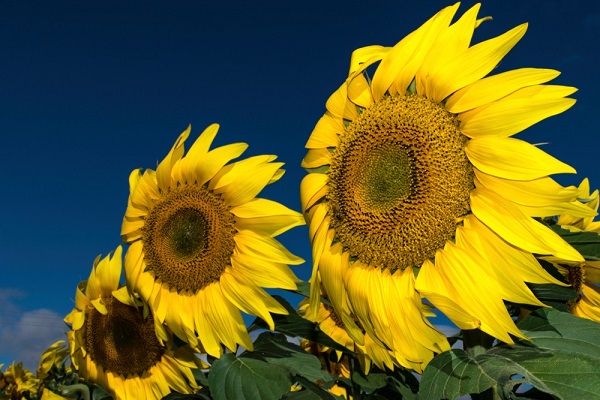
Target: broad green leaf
[
  {"x": 276, "y": 350},
  {"x": 452, "y": 374},
  {"x": 554, "y": 330},
  {"x": 586, "y": 243},
  {"x": 240, "y": 378},
  {"x": 563, "y": 360},
  {"x": 370, "y": 382}
]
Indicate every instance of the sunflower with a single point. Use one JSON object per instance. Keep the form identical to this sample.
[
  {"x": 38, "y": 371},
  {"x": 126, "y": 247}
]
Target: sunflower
[
  {"x": 583, "y": 276},
  {"x": 415, "y": 170},
  {"x": 202, "y": 244},
  {"x": 115, "y": 346},
  {"x": 17, "y": 382}
]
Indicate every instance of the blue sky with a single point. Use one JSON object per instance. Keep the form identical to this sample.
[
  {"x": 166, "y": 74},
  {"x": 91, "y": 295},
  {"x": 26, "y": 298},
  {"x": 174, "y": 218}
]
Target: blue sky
[{"x": 93, "y": 90}]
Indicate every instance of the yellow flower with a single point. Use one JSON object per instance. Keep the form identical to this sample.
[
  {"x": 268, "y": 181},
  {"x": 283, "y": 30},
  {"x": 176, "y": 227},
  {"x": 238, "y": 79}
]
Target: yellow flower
[
  {"x": 53, "y": 356},
  {"x": 202, "y": 244},
  {"x": 113, "y": 344},
  {"x": 415, "y": 170},
  {"x": 583, "y": 276},
  {"x": 16, "y": 382}
]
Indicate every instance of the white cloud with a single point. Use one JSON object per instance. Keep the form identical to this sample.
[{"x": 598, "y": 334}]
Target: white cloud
[{"x": 25, "y": 335}]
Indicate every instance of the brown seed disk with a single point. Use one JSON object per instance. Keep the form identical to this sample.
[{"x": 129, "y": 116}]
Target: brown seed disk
[
  {"x": 188, "y": 238},
  {"x": 399, "y": 180},
  {"x": 122, "y": 341}
]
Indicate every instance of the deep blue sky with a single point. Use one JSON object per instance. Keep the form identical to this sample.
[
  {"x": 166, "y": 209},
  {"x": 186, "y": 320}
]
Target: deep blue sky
[{"x": 92, "y": 90}]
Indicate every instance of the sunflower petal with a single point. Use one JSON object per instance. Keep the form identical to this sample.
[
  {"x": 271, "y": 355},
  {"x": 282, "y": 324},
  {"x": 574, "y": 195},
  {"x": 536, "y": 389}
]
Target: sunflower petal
[{"x": 514, "y": 159}]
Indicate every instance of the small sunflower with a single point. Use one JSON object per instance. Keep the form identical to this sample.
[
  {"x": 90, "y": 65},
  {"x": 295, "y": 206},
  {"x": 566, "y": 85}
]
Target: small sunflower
[
  {"x": 115, "y": 346},
  {"x": 415, "y": 170},
  {"x": 17, "y": 382},
  {"x": 203, "y": 246},
  {"x": 583, "y": 276}
]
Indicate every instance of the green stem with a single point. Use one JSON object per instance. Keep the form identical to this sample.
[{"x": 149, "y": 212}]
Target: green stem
[
  {"x": 79, "y": 391},
  {"x": 477, "y": 342}
]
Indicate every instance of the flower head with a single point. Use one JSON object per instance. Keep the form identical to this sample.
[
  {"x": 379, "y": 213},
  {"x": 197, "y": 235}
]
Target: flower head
[
  {"x": 16, "y": 382},
  {"x": 113, "y": 344},
  {"x": 415, "y": 170},
  {"x": 203, "y": 246}
]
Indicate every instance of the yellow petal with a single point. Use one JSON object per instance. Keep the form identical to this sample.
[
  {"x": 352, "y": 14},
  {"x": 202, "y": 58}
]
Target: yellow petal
[
  {"x": 312, "y": 189},
  {"x": 266, "y": 216},
  {"x": 456, "y": 72},
  {"x": 246, "y": 184},
  {"x": 315, "y": 158},
  {"x": 511, "y": 224},
  {"x": 432, "y": 286},
  {"x": 504, "y": 257},
  {"x": 206, "y": 168},
  {"x": 537, "y": 192},
  {"x": 359, "y": 91},
  {"x": 250, "y": 298},
  {"x": 264, "y": 273},
  {"x": 467, "y": 271},
  {"x": 513, "y": 159},
  {"x": 326, "y": 131},
  {"x": 163, "y": 171},
  {"x": 365, "y": 56},
  {"x": 517, "y": 111},
  {"x": 492, "y": 88},
  {"x": 401, "y": 64}
]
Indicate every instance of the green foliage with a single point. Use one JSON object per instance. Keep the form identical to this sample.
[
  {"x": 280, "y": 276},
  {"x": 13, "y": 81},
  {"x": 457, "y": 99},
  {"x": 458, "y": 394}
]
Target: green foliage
[
  {"x": 562, "y": 346},
  {"x": 268, "y": 372},
  {"x": 586, "y": 243},
  {"x": 247, "y": 379}
]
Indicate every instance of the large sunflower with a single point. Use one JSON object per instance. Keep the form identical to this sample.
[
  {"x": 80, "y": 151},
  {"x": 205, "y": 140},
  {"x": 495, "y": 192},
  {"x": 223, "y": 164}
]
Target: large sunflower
[
  {"x": 114, "y": 345},
  {"x": 415, "y": 170},
  {"x": 202, "y": 244}
]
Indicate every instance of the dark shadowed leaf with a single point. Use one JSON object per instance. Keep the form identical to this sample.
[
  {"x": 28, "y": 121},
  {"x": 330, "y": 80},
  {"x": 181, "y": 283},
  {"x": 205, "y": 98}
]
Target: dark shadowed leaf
[{"x": 274, "y": 349}]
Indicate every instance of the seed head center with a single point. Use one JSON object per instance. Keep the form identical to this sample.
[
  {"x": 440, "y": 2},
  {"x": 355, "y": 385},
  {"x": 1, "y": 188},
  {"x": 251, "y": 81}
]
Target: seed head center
[
  {"x": 122, "y": 341},
  {"x": 399, "y": 180},
  {"x": 188, "y": 238}
]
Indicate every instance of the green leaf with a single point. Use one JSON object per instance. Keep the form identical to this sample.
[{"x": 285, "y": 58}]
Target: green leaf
[
  {"x": 295, "y": 326},
  {"x": 370, "y": 382},
  {"x": 586, "y": 243},
  {"x": 452, "y": 374},
  {"x": 241, "y": 378},
  {"x": 275, "y": 349},
  {"x": 552, "y": 329},
  {"x": 563, "y": 361}
]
